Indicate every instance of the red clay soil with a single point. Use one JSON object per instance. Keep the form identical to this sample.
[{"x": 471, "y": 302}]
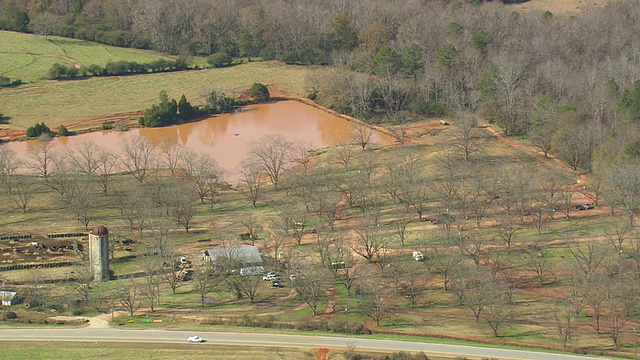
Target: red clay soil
[
  {"x": 7, "y": 134},
  {"x": 323, "y": 353}
]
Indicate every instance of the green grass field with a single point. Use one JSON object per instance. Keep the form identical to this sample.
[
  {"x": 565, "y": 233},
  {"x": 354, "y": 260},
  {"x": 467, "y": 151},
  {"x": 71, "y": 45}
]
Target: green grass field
[
  {"x": 65, "y": 102},
  {"x": 91, "y": 351},
  {"x": 29, "y": 57}
]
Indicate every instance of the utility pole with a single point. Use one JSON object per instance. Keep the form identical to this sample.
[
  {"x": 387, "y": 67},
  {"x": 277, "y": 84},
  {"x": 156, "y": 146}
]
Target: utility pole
[
  {"x": 4, "y": 308},
  {"x": 346, "y": 313},
  {"x": 635, "y": 342}
]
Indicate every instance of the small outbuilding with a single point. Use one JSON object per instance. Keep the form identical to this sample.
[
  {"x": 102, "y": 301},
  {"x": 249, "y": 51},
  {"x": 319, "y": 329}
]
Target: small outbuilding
[{"x": 8, "y": 297}]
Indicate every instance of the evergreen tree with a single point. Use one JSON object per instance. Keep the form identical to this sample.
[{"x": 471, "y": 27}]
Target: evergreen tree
[
  {"x": 259, "y": 92},
  {"x": 187, "y": 112}
]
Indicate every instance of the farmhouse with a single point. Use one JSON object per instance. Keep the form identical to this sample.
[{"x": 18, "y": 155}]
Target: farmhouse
[{"x": 242, "y": 257}]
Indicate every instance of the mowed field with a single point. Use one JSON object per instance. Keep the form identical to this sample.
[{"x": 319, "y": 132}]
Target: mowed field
[
  {"x": 67, "y": 102},
  {"x": 29, "y": 57},
  {"x": 91, "y": 351}
]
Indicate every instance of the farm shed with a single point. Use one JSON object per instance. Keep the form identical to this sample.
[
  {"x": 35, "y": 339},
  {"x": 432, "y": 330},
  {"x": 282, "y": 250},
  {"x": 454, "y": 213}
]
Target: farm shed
[
  {"x": 233, "y": 258},
  {"x": 8, "y": 297}
]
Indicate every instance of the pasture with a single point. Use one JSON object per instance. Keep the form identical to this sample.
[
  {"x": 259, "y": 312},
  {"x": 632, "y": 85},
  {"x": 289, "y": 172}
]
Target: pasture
[
  {"x": 29, "y": 57},
  {"x": 66, "y": 102}
]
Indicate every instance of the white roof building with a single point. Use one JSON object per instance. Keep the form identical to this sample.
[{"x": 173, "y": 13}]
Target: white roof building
[
  {"x": 8, "y": 297},
  {"x": 233, "y": 258}
]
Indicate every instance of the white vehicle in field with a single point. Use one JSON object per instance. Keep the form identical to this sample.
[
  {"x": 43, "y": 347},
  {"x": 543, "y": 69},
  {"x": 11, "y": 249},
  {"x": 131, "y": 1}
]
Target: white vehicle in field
[
  {"x": 417, "y": 256},
  {"x": 195, "y": 339},
  {"x": 269, "y": 276}
]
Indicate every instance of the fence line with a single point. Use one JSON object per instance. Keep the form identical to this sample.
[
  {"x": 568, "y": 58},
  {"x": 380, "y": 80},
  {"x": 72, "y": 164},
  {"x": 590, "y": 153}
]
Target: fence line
[
  {"x": 40, "y": 265},
  {"x": 15, "y": 237},
  {"x": 66, "y": 235}
]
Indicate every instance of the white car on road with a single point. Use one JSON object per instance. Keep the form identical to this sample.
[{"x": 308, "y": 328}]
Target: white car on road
[{"x": 195, "y": 339}]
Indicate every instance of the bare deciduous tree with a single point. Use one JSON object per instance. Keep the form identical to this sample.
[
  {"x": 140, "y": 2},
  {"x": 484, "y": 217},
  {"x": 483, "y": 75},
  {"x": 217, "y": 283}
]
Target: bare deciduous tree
[
  {"x": 362, "y": 135},
  {"x": 374, "y": 294},
  {"x": 252, "y": 224},
  {"x": 401, "y": 222},
  {"x": 371, "y": 241},
  {"x": 40, "y": 154},
  {"x": 107, "y": 164},
  {"x": 293, "y": 220},
  {"x": 410, "y": 280},
  {"x": 344, "y": 154},
  {"x": 498, "y": 308},
  {"x": 507, "y": 230},
  {"x": 138, "y": 156},
  {"x": 183, "y": 207},
  {"x": 82, "y": 204},
  {"x": 85, "y": 158},
  {"x": 150, "y": 289},
  {"x": 9, "y": 166},
  {"x": 538, "y": 260},
  {"x": 248, "y": 286},
  {"x": 466, "y": 135},
  {"x": 174, "y": 271},
  {"x": 589, "y": 255},
  {"x": 301, "y": 153},
  {"x": 479, "y": 200},
  {"x": 271, "y": 153},
  {"x": 159, "y": 227},
  {"x": 82, "y": 280},
  {"x": 625, "y": 181},
  {"x": 617, "y": 236},
  {"x": 596, "y": 297},
  {"x": 344, "y": 267},
  {"x": 23, "y": 193},
  {"x": 310, "y": 285},
  {"x": 133, "y": 204},
  {"x": 205, "y": 281},
  {"x": 251, "y": 180},
  {"x": 566, "y": 196},
  {"x": 441, "y": 254},
  {"x": 325, "y": 204},
  {"x": 205, "y": 174},
  {"x": 128, "y": 295},
  {"x": 174, "y": 155},
  {"x": 564, "y": 325}
]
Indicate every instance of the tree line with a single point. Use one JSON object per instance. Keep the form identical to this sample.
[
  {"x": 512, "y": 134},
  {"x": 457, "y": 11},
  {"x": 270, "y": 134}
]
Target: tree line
[{"x": 115, "y": 68}]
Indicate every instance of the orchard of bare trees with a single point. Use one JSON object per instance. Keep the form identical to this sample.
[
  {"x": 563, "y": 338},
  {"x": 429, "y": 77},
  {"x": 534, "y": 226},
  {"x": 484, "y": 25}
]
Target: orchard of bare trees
[{"x": 500, "y": 239}]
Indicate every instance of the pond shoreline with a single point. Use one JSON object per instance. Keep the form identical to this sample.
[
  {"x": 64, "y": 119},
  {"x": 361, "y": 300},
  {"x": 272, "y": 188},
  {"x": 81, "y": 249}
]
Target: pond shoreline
[{"x": 130, "y": 120}]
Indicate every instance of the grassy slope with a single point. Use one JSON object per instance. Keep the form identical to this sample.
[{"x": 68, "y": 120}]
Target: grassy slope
[
  {"x": 29, "y": 57},
  {"x": 64, "y": 102}
]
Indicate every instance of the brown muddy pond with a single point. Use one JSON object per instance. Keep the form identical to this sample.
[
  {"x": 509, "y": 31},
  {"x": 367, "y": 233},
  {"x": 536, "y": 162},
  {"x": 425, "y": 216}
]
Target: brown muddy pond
[{"x": 228, "y": 137}]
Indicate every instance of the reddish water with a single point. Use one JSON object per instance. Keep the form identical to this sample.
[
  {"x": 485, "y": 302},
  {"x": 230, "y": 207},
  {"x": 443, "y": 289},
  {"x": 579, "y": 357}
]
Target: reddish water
[{"x": 227, "y": 137}]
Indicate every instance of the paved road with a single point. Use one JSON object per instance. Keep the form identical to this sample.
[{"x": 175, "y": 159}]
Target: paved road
[{"x": 272, "y": 340}]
